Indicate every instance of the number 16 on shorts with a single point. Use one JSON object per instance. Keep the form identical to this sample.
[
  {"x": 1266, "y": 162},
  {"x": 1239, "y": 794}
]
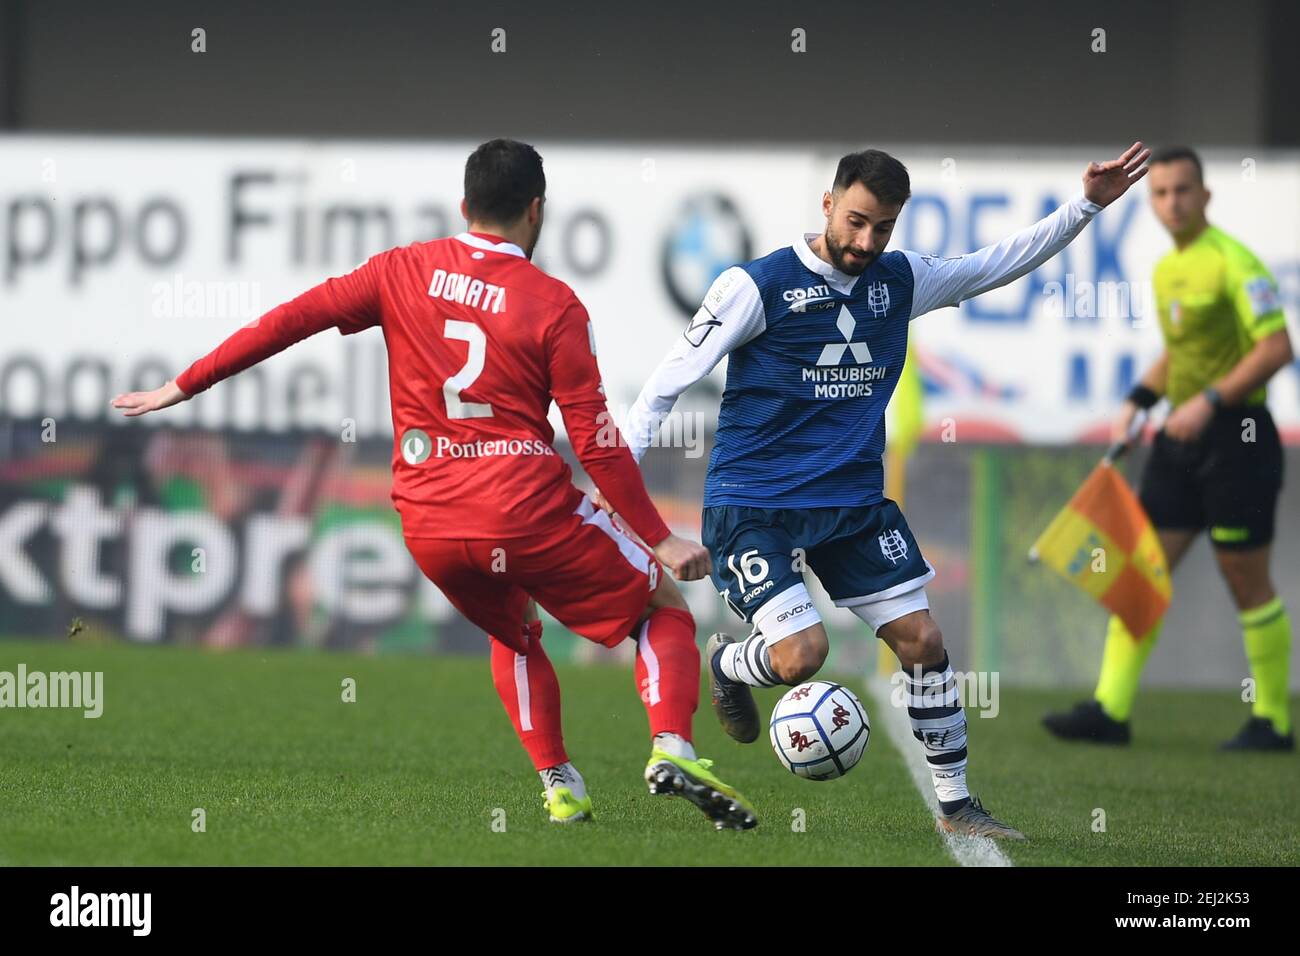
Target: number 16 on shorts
[{"x": 751, "y": 572}]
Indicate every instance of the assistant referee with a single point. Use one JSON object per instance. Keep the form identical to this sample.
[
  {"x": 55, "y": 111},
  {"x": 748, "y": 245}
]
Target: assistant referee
[{"x": 1217, "y": 462}]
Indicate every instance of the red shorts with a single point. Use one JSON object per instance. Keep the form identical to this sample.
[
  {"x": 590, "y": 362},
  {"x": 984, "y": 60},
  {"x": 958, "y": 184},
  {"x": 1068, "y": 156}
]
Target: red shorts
[{"x": 587, "y": 572}]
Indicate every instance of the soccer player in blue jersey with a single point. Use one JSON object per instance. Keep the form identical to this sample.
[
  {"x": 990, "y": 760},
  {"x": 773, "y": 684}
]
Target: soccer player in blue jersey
[{"x": 816, "y": 335}]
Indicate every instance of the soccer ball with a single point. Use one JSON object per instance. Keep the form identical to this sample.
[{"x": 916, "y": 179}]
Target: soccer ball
[{"x": 819, "y": 730}]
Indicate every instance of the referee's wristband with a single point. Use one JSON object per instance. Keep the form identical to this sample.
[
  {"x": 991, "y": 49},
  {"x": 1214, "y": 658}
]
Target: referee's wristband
[{"x": 1143, "y": 397}]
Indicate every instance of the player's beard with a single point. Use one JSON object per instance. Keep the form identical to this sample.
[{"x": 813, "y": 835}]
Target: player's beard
[
  {"x": 839, "y": 259},
  {"x": 532, "y": 242},
  {"x": 537, "y": 234}
]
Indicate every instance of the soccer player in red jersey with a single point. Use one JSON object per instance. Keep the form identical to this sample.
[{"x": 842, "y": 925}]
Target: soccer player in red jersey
[{"x": 480, "y": 342}]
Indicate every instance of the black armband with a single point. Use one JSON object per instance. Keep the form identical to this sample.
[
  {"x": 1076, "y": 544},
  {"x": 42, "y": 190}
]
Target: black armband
[{"x": 1143, "y": 397}]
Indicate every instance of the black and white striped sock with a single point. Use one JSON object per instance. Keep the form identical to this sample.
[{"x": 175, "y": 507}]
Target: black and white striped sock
[
  {"x": 939, "y": 723},
  {"x": 746, "y": 662}
]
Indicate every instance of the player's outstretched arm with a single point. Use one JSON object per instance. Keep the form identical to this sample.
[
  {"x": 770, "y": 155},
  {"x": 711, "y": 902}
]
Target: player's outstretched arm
[
  {"x": 134, "y": 404},
  {"x": 731, "y": 315},
  {"x": 575, "y": 385},
  {"x": 942, "y": 282},
  {"x": 688, "y": 559},
  {"x": 576, "y": 388},
  {"x": 349, "y": 302}
]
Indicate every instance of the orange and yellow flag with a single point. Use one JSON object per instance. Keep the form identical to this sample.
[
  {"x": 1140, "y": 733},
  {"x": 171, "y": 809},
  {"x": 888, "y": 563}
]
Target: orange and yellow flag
[{"x": 1104, "y": 544}]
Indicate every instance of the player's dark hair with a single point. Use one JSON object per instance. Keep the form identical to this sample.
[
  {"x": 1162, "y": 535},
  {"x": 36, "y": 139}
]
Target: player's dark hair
[
  {"x": 1171, "y": 154},
  {"x": 885, "y": 176},
  {"x": 501, "y": 178}
]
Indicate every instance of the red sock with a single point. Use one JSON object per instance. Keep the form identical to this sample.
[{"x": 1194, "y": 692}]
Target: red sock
[
  {"x": 530, "y": 692},
  {"x": 668, "y": 670}
]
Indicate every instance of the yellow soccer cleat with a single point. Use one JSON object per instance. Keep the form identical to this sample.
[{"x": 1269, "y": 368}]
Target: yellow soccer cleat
[
  {"x": 671, "y": 776},
  {"x": 564, "y": 807}
]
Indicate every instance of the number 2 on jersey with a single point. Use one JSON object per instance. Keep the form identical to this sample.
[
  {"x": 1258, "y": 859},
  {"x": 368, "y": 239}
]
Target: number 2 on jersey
[{"x": 472, "y": 369}]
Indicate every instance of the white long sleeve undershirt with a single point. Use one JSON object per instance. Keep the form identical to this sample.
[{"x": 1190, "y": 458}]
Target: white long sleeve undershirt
[
  {"x": 942, "y": 282},
  {"x": 733, "y": 313}
]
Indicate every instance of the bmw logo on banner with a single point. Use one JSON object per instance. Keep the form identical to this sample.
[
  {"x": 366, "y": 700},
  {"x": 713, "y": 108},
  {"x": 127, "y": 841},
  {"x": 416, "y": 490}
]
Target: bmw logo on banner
[{"x": 705, "y": 236}]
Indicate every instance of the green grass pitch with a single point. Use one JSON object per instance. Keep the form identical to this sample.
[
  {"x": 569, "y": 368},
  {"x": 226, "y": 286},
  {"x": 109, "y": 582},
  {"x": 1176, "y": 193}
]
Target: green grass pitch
[{"x": 419, "y": 767}]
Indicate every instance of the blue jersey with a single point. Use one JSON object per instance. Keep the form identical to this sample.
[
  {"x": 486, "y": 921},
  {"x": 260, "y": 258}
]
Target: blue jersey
[
  {"x": 814, "y": 356},
  {"x": 802, "y": 423}
]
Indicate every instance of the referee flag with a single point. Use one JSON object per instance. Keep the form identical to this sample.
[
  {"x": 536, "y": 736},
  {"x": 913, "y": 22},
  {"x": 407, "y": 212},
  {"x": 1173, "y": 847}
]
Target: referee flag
[{"x": 1103, "y": 543}]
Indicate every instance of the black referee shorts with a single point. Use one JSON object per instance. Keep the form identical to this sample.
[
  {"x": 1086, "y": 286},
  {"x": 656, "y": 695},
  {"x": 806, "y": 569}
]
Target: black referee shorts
[{"x": 1228, "y": 480}]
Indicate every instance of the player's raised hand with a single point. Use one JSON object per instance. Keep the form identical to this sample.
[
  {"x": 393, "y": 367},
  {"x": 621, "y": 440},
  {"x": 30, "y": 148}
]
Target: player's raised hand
[
  {"x": 687, "y": 560},
  {"x": 1103, "y": 183},
  {"x": 139, "y": 403}
]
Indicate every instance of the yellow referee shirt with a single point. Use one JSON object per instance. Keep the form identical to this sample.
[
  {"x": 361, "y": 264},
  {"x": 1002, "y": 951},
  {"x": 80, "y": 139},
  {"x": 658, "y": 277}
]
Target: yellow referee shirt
[{"x": 1215, "y": 300}]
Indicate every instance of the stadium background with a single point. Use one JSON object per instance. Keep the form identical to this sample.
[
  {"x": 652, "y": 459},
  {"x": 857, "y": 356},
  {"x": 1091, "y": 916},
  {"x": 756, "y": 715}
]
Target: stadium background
[{"x": 156, "y": 198}]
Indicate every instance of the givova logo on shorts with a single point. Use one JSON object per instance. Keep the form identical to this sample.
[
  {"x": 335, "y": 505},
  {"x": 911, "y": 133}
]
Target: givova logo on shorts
[{"x": 797, "y": 609}]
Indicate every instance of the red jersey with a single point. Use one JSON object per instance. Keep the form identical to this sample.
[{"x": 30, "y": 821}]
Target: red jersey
[{"x": 480, "y": 341}]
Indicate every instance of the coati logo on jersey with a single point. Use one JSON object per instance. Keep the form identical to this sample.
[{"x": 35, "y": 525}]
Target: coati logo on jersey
[
  {"x": 815, "y": 298},
  {"x": 811, "y": 292}
]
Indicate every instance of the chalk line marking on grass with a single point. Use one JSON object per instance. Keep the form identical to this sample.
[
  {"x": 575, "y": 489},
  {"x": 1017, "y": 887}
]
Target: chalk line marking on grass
[{"x": 966, "y": 850}]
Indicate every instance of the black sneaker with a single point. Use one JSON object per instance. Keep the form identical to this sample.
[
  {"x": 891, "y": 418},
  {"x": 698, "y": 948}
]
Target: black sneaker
[
  {"x": 1088, "y": 722},
  {"x": 1259, "y": 734},
  {"x": 733, "y": 702}
]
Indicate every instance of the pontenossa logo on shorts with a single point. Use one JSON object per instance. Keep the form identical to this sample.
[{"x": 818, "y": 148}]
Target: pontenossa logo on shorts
[{"x": 418, "y": 447}]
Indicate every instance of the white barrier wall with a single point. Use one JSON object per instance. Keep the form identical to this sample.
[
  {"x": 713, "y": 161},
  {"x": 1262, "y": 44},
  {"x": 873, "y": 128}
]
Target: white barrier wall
[{"x": 124, "y": 259}]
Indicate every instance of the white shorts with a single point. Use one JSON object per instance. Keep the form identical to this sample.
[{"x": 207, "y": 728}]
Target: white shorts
[{"x": 792, "y": 610}]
